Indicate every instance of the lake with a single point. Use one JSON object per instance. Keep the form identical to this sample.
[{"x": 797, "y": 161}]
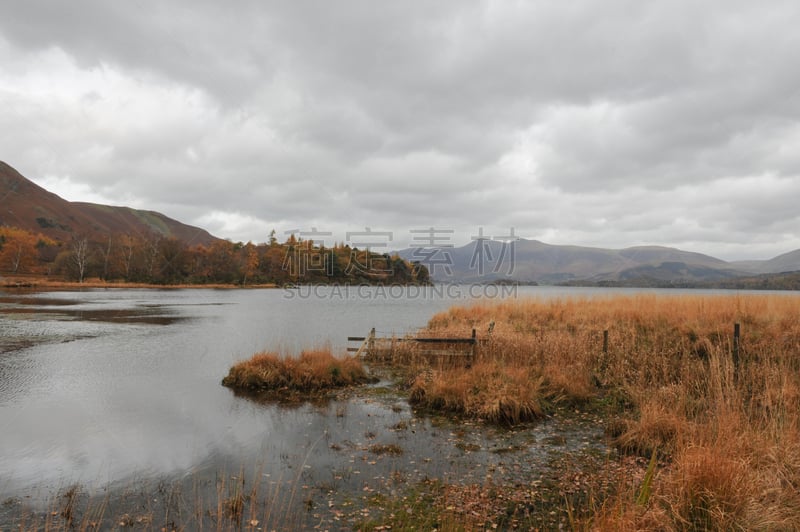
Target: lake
[{"x": 102, "y": 387}]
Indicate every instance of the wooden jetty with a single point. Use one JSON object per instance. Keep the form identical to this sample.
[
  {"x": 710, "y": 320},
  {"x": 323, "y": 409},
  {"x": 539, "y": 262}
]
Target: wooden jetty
[{"x": 376, "y": 348}]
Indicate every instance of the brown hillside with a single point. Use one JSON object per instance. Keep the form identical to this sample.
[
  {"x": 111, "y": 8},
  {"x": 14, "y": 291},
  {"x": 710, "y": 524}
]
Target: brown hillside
[{"x": 26, "y": 205}]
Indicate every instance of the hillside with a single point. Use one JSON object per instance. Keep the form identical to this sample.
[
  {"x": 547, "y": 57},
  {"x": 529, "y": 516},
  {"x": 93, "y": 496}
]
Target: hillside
[
  {"x": 28, "y": 206},
  {"x": 535, "y": 261}
]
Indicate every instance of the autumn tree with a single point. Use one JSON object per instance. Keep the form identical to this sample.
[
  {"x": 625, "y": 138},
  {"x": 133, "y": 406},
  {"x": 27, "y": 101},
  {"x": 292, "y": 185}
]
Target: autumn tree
[
  {"x": 271, "y": 265},
  {"x": 174, "y": 264},
  {"x": 19, "y": 249},
  {"x": 197, "y": 263},
  {"x": 250, "y": 261},
  {"x": 222, "y": 262}
]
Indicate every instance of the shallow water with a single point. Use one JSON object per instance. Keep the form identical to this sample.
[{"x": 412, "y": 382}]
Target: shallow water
[{"x": 100, "y": 387}]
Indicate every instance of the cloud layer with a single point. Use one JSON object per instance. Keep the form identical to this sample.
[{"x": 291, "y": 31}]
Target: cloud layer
[{"x": 610, "y": 124}]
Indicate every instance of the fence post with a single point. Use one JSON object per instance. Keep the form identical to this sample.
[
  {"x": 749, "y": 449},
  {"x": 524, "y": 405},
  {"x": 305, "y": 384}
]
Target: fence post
[
  {"x": 605, "y": 341},
  {"x": 474, "y": 343},
  {"x": 736, "y": 331}
]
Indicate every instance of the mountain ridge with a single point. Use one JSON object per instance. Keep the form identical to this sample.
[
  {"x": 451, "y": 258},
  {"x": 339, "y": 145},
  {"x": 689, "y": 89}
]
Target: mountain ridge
[
  {"x": 26, "y": 205},
  {"x": 534, "y": 261}
]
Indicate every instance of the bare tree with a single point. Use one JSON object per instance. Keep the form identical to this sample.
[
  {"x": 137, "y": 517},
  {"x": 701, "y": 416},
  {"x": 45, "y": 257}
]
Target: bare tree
[
  {"x": 80, "y": 255},
  {"x": 106, "y": 254},
  {"x": 16, "y": 257},
  {"x": 152, "y": 254},
  {"x": 128, "y": 247}
]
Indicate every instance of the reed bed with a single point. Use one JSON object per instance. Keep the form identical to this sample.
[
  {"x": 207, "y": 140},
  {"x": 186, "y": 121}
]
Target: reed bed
[
  {"x": 723, "y": 418},
  {"x": 313, "y": 371}
]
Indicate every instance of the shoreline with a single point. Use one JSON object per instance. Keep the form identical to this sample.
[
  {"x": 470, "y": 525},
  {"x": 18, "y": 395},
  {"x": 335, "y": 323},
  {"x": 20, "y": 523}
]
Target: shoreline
[
  {"x": 35, "y": 282},
  {"x": 48, "y": 283}
]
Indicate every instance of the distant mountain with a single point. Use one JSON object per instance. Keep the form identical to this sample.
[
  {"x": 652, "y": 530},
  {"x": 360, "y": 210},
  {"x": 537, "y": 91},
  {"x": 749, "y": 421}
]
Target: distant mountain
[
  {"x": 535, "y": 261},
  {"x": 26, "y": 205},
  {"x": 768, "y": 281},
  {"x": 787, "y": 262}
]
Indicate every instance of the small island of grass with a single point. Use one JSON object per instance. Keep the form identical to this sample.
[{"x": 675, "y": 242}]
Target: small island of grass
[{"x": 313, "y": 372}]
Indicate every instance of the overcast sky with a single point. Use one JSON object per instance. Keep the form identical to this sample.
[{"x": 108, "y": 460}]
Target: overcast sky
[{"x": 610, "y": 124}]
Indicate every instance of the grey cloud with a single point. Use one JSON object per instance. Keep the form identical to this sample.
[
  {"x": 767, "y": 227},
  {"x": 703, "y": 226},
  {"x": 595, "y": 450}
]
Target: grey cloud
[{"x": 598, "y": 122}]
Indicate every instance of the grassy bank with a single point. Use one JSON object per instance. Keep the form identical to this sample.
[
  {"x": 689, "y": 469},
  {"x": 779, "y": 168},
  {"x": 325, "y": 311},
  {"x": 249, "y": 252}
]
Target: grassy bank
[
  {"x": 667, "y": 382},
  {"x": 312, "y": 372}
]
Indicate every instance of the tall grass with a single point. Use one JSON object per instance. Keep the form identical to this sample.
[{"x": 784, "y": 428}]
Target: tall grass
[
  {"x": 312, "y": 371},
  {"x": 500, "y": 394},
  {"x": 730, "y": 435},
  {"x": 231, "y": 502}
]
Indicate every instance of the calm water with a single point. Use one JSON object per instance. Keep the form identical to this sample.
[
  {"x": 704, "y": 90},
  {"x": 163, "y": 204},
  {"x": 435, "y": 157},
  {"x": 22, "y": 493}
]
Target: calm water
[{"x": 100, "y": 386}]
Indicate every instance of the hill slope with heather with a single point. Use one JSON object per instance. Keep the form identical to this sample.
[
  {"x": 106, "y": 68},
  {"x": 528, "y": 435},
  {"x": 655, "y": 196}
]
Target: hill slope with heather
[{"x": 26, "y": 205}]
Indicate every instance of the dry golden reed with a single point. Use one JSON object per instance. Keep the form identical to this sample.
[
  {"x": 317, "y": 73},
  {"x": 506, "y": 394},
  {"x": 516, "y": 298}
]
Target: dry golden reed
[
  {"x": 728, "y": 433},
  {"x": 312, "y": 371},
  {"x": 499, "y": 394}
]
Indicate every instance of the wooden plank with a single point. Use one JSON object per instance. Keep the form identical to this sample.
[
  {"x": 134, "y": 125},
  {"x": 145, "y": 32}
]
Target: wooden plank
[
  {"x": 356, "y": 338},
  {"x": 442, "y": 353},
  {"x": 365, "y": 345},
  {"x": 446, "y": 340}
]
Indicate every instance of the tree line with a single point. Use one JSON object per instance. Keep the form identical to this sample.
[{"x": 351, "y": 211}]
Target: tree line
[{"x": 153, "y": 258}]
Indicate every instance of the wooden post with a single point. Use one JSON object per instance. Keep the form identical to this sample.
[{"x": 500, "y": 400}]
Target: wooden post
[
  {"x": 605, "y": 341},
  {"x": 371, "y": 343},
  {"x": 474, "y": 343},
  {"x": 736, "y": 331}
]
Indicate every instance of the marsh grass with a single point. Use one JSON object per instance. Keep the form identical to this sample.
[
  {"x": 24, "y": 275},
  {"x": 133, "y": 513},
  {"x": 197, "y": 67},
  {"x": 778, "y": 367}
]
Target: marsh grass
[
  {"x": 666, "y": 384},
  {"x": 726, "y": 438},
  {"x": 70, "y": 509},
  {"x": 497, "y": 393},
  {"x": 240, "y": 501},
  {"x": 313, "y": 371}
]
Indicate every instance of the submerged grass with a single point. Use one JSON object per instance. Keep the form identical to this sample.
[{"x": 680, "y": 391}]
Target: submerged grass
[
  {"x": 313, "y": 371},
  {"x": 728, "y": 434}
]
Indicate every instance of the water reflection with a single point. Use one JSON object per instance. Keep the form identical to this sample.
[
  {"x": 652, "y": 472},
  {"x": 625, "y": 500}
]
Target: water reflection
[
  {"x": 37, "y": 300},
  {"x": 104, "y": 386}
]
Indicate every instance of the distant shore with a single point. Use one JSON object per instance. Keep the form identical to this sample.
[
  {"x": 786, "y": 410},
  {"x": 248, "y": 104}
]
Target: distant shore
[
  {"x": 50, "y": 283},
  {"x": 46, "y": 282}
]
